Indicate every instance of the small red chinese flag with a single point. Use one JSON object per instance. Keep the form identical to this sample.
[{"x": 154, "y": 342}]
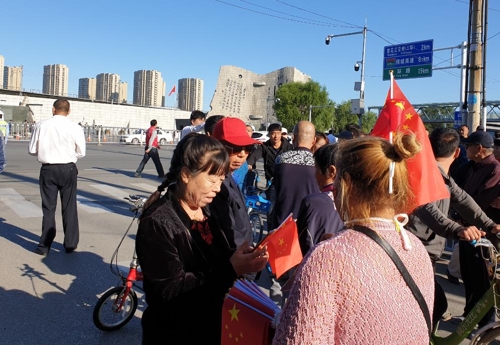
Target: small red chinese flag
[
  {"x": 425, "y": 178},
  {"x": 283, "y": 247},
  {"x": 172, "y": 91},
  {"x": 243, "y": 326}
]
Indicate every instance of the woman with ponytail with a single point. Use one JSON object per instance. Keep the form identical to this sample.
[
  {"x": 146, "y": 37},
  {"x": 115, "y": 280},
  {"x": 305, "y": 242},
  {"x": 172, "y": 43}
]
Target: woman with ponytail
[
  {"x": 347, "y": 289},
  {"x": 188, "y": 262}
]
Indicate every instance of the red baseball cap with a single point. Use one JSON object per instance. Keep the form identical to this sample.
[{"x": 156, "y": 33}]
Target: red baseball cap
[{"x": 233, "y": 131}]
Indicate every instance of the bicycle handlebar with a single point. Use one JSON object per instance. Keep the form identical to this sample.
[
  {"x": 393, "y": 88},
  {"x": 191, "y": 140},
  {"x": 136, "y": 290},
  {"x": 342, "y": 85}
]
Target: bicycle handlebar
[{"x": 137, "y": 200}]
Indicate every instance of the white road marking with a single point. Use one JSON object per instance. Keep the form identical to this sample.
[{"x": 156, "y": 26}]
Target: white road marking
[
  {"x": 17, "y": 203},
  {"x": 147, "y": 187},
  {"x": 90, "y": 206}
]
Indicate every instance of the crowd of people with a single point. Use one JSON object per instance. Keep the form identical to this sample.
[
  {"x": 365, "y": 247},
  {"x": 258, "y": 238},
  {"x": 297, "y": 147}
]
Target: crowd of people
[{"x": 195, "y": 238}]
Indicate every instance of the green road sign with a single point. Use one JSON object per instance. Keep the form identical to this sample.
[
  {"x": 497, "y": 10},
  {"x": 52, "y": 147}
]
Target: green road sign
[{"x": 409, "y": 72}]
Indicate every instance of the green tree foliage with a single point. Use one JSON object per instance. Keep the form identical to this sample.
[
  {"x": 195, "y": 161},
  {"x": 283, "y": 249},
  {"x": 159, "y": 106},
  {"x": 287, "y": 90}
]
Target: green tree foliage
[
  {"x": 344, "y": 117},
  {"x": 293, "y": 101}
]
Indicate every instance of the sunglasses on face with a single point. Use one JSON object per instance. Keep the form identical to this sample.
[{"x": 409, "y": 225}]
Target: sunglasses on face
[{"x": 237, "y": 149}]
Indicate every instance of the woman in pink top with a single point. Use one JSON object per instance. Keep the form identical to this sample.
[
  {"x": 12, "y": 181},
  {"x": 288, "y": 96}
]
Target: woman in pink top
[{"x": 348, "y": 290}]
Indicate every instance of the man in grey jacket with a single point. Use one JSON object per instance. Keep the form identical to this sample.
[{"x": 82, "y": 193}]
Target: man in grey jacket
[{"x": 431, "y": 223}]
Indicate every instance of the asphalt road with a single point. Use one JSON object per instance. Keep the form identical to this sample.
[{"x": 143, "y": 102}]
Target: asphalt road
[{"x": 50, "y": 300}]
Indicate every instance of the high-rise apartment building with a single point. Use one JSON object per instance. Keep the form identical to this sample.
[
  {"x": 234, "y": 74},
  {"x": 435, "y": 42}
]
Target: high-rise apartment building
[
  {"x": 55, "y": 80},
  {"x": 87, "y": 88},
  {"x": 122, "y": 93},
  {"x": 149, "y": 88},
  {"x": 13, "y": 78},
  {"x": 107, "y": 87},
  {"x": 2, "y": 65},
  {"x": 190, "y": 94}
]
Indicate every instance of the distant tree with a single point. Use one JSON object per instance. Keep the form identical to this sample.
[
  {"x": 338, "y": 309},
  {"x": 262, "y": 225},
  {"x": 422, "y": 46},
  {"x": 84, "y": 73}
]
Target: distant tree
[
  {"x": 293, "y": 101},
  {"x": 343, "y": 117}
]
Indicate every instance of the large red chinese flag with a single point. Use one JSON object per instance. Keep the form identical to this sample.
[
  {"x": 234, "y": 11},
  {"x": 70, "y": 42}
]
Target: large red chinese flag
[
  {"x": 172, "y": 91},
  {"x": 425, "y": 178},
  {"x": 243, "y": 326},
  {"x": 283, "y": 247}
]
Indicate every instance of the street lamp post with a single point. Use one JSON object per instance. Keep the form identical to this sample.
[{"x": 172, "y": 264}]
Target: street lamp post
[
  {"x": 357, "y": 105},
  {"x": 318, "y": 106}
]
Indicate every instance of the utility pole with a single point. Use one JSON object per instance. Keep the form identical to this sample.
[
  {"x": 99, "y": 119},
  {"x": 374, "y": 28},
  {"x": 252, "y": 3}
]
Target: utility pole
[{"x": 475, "y": 66}]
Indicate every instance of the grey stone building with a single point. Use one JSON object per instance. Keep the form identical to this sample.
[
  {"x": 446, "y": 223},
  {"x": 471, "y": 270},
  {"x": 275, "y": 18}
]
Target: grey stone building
[{"x": 248, "y": 95}]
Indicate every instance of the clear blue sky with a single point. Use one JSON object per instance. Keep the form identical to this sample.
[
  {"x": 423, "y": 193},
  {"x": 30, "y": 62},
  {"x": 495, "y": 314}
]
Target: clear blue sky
[{"x": 193, "y": 38}]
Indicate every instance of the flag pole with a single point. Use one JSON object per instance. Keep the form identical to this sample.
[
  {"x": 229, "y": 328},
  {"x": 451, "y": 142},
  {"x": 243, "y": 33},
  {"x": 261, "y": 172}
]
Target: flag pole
[
  {"x": 392, "y": 165},
  {"x": 392, "y": 83}
]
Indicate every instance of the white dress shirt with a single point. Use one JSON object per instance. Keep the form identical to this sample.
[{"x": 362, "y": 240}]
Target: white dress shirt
[
  {"x": 188, "y": 129},
  {"x": 57, "y": 141}
]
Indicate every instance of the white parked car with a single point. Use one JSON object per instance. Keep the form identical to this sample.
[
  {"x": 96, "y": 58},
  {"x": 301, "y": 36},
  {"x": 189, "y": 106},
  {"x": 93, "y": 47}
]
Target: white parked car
[
  {"x": 139, "y": 136},
  {"x": 261, "y": 136}
]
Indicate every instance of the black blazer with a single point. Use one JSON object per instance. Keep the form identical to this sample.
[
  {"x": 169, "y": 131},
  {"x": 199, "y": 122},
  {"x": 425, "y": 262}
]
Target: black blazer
[{"x": 185, "y": 280}]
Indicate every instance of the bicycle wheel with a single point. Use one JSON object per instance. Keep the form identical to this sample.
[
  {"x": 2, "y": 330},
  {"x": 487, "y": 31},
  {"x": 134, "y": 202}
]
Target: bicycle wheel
[
  {"x": 491, "y": 336},
  {"x": 257, "y": 224},
  {"x": 106, "y": 315}
]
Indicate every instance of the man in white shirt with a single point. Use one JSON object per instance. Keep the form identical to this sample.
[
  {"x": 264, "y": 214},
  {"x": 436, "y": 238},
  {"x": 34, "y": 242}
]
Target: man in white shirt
[
  {"x": 58, "y": 143},
  {"x": 4, "y": 127},
  {"x": 197, "y": 119}
]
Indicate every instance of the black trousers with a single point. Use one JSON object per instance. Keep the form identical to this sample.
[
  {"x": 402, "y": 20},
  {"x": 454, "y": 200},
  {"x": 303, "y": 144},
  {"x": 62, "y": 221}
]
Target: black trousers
[
  {"x": 440, "y": 304},
  {"x": 475, "y": 278},
  {"x": 153, "y": 154},
  {"x": 54, "y": 179}
]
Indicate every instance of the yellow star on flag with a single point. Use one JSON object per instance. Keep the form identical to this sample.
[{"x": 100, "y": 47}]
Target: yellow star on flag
[
  {"x": 400, "y": 105},
  {"x": 234, "y": 313},
  {"x": 282, "y": 242},
  {"x": 409, "y": 116},
  {"x": 406, "y": 127}
]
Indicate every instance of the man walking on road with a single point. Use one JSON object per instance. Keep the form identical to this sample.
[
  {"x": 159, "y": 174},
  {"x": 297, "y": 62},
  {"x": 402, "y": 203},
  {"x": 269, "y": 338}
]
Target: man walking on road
[
  {"x": 4, "y": 127},
  {"x": 151, "y": 151},
  {"x": 58, "y": 143},
  {"x": 2, "y": 152}
]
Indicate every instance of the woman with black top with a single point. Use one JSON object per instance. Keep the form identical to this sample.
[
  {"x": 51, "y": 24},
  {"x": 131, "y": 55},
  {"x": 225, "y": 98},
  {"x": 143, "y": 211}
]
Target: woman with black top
[{"x": 188, "y": 263}]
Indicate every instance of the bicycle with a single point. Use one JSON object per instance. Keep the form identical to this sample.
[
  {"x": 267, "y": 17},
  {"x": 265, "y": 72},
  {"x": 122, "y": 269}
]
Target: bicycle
[
  {"x": 256, "y": 204},
  {"x": 117, "y": 306},
  {"x": 489, "y": 334}
]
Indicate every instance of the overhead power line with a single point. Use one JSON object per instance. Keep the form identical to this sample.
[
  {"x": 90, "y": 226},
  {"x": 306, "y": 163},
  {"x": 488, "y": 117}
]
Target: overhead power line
[
  {"x": 319, "y": 15},
  {"x": 309, "y": 22},
  {"x": 291, "y": 15}
]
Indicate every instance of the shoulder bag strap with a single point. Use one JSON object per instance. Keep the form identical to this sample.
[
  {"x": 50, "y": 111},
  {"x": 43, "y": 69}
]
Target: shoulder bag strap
[{"x": 402, "y": 269}]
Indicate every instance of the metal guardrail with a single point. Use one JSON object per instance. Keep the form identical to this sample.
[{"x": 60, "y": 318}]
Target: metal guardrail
[{"x": 93, "y": 133}]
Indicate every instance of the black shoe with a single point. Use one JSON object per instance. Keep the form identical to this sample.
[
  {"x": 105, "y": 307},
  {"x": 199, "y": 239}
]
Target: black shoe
[
  {"x": 41, "y": 251},
  {"x": 452, "y": 279},
  {"x": 70, "y": 250}
]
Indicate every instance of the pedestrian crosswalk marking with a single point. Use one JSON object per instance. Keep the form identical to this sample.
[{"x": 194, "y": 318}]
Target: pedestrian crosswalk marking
[
  {"x": 90, "y": 206},
  {"x": 145, "y": 186},
  {"x": 27, "y": 209},
  {"x": 16, "y": 202},
  {"x": 113, "y": 191}
]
